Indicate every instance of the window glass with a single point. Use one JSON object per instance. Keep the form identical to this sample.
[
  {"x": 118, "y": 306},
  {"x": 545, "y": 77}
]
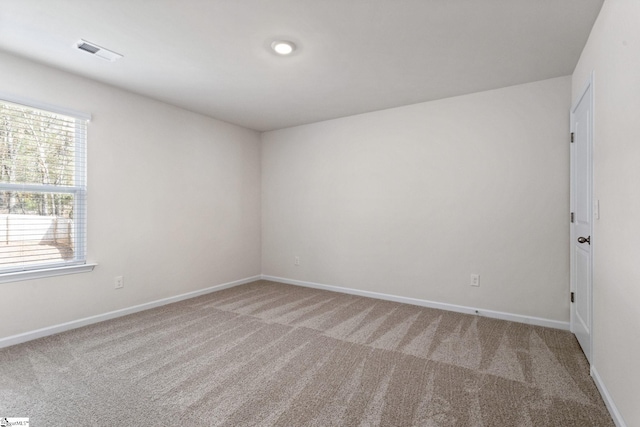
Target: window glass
[{"x": 42, "y": 188}]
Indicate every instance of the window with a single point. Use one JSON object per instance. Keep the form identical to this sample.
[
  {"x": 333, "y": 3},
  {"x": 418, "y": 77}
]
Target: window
[{"x": 42, "y": 187}]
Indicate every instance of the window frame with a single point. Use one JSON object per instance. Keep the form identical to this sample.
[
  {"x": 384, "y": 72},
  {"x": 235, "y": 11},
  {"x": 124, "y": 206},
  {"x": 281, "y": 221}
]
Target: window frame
[{"x": 79, "y": 263}]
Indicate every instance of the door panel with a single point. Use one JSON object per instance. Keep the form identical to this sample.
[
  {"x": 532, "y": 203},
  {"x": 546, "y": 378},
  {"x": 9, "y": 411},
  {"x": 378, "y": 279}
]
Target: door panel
[
  {"x": 582, "y": 296},
  {"x": 581, "y": 204}
]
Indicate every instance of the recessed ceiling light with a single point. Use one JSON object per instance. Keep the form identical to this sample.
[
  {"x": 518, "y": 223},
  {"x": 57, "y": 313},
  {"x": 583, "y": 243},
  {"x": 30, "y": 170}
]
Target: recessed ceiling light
[{"x": 283, "y": 47}]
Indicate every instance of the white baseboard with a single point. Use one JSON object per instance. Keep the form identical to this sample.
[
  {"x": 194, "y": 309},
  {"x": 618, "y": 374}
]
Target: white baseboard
[
  {"x": 431, "y": 304},
  {"x": 51, "y": 330},
  {"x": 608, "y": 400}
]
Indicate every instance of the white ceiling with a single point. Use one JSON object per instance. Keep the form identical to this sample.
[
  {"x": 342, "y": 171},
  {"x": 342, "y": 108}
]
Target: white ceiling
[{"x": 354, "y": 56}]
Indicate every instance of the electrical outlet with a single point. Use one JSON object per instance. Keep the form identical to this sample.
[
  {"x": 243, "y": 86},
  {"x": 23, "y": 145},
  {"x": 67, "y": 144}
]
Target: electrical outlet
[
  {"x": 119, "y": 282},
  {"x": 296, "y": 260},
  {"x": 475, "y": 280}
]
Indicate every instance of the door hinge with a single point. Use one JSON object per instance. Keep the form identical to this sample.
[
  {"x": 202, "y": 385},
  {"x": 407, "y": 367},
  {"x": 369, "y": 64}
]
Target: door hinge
[
  {"x": 573, "y": 297},
  {"x": 573, "y": 217},
  {"x": 572, "y": 137}
]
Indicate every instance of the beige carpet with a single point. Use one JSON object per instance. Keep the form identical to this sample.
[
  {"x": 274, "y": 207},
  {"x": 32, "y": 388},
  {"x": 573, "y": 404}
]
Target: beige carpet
[{"x": 268, "y": 354}]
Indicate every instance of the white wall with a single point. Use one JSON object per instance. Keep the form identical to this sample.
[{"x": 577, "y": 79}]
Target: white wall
[
  {"x": 410, "y": 201},
  {"x": 173, "y": 201},
  {"x": 612, "y": 53}
]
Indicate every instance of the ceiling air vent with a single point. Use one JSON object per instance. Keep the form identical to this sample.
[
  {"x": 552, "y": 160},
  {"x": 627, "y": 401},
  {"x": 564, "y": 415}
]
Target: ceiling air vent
[{"x": 98, "y": 51}]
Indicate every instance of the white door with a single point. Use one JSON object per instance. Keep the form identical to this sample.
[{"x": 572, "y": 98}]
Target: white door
[{"x": 581, "y": 218}]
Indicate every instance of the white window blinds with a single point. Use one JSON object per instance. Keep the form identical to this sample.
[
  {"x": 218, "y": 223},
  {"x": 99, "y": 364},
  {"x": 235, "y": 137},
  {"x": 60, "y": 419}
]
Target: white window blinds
[{"x": 42, "y": 188}]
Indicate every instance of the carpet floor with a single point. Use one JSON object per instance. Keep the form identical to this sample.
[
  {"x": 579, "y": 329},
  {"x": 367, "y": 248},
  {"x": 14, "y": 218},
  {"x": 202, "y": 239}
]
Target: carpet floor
[{"x": 269, "y": 354}]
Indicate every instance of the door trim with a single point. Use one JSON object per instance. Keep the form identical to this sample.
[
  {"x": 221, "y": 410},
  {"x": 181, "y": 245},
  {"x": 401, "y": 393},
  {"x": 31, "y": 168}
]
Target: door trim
[{"x": 588, "y": 90}]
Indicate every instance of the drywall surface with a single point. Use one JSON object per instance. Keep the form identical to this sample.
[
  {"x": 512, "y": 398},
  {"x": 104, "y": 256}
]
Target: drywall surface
[
  {"x": 612, "y": 55},
  {"x": 173, "y": 202},
  {"x": 411, "y": 201}
]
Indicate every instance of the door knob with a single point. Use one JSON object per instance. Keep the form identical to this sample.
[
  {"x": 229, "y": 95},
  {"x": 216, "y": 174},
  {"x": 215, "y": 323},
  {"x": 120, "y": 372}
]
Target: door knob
[{"x": 584, "y": 240}]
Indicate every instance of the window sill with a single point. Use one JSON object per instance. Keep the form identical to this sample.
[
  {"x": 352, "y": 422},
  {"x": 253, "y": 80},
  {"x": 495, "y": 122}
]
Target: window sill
[{"x": 45, "y": 272}]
